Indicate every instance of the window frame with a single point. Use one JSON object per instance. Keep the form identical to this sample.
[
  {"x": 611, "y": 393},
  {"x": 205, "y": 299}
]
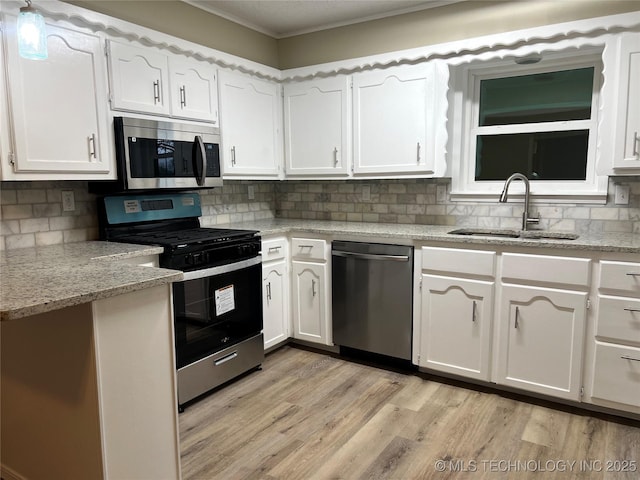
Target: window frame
[{"x": 467, "y": 80}]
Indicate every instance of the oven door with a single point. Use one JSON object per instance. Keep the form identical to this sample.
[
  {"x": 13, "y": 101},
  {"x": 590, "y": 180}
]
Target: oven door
[{"x": 217, "y": 307}]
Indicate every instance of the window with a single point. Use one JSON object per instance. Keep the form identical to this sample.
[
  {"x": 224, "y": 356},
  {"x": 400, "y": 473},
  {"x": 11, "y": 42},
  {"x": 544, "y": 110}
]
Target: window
[{"x": 539, "y": 120}]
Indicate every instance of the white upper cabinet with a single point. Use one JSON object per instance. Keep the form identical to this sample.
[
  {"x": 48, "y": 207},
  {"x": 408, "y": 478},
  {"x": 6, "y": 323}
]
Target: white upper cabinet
[
  {"x": 398, "y": 121},
  {"x": 317, "y": 127},
  {"x": 250, "y": 119},
  {"x": 627, "y": 132},
  {"x": 57, "y": 109},
  {"x": 147, "y": 81},
  {"x": 139, "y": 79},
  {"x": 194, "y": 90}
]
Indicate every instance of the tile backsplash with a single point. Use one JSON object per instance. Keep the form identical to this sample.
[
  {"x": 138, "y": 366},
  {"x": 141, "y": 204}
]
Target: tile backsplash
[
  {"x": 426, "y": 201},
  {"x": 32, "y": 212}
]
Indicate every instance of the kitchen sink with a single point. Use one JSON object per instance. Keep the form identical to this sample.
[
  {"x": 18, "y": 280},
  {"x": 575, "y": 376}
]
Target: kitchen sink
[{"x": 507, "y": 233}]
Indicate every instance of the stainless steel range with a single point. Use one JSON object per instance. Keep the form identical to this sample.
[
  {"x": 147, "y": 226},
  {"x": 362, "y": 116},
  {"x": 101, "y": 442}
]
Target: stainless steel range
[{"x": 218, "y": 306}]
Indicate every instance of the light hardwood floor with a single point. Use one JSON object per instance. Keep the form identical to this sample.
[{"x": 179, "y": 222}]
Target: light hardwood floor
[{"x": 308, "y": 415}]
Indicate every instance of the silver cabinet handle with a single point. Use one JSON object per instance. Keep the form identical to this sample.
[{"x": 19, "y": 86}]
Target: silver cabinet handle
[
  {"x": 92, "y": 146},
  {"x": 233, "y": 155},
  {"x": 305, "y": 246},
  {"x": 313, "y": 287},
  {"x": 335, "y": 156},
  {"x": 269, "y": 291},
  {"x": 627, "y": 357},
  {"x": 473, "y": 312},
  {"x": 156, "y": 91},
  {"x": 275, "y": 249},
  {"x": 632, "y": 309},
  {"x": 517, "y": 315},
  {"x": 418, "y": 154},
  {"x": 183, "y": 96},
  {"x": 636, "y": 142}
]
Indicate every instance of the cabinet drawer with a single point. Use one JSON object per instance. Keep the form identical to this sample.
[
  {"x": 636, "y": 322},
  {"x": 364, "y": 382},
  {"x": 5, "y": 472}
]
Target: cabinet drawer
[
  {"x": 619, "y": 318},
  {"x": 309, "y": 248},
  {"x": 616, "y": 374},
  {"x": 457, "y": 260},
  {"x": 620, "y": 276},
  {"x": 274, "y": 249},
  {"x": 546, "y": 269}
]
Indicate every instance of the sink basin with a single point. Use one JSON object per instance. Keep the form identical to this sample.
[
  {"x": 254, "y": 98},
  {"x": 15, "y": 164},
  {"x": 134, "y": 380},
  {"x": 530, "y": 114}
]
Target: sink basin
[
  {"x": 486, "y": 232},
  {"x": 527, "y": 234}
]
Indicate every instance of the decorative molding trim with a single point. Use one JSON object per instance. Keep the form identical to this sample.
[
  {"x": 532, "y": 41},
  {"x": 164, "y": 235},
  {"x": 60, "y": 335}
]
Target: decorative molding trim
[
  {"x": 452, "y": 52},
  {"x": 491, "y": 47}
]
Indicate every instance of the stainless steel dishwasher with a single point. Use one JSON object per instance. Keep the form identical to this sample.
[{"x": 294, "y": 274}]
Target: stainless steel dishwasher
[{"x": 372, "y": 290}]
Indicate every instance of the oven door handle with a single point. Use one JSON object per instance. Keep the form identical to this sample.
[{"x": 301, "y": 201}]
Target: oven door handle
[
  {"x": 231, "y": 267},
  {"x": 199, "y": 167}
]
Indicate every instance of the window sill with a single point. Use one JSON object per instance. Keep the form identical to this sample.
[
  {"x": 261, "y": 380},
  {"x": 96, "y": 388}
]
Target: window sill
[{"x": 597, "y": 198}]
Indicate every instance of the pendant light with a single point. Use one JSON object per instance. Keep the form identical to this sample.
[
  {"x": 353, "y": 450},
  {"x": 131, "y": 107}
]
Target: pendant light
[{"x": 32, "y": 34}]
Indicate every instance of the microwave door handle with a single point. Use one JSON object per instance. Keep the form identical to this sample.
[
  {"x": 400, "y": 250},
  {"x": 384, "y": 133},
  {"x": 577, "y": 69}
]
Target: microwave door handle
[{"x": 200, "y": 174}]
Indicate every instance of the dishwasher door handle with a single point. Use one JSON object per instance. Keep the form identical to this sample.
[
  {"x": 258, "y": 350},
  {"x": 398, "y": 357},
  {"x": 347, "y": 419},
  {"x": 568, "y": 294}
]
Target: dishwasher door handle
[{"x": 371, "y": 256}]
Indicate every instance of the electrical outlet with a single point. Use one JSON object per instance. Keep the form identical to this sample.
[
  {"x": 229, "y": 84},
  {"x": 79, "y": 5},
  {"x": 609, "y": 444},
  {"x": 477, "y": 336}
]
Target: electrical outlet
[
  {"x": 622, "y": 195},
  {"x": 68, "y": 202},
  {"x": 251, "y": 192}
]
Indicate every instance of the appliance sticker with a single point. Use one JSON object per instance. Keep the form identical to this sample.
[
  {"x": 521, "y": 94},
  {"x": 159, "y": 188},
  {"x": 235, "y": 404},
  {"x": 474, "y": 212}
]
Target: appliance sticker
[
  {"x": 224, "y": 300},
  {"x": 188, "y": 202},
  {"x": 131, "y": 206}
]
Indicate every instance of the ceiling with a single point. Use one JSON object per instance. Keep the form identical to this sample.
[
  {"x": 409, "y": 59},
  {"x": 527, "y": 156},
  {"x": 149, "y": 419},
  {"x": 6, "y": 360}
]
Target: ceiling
[{"x": 285, "y": 18}]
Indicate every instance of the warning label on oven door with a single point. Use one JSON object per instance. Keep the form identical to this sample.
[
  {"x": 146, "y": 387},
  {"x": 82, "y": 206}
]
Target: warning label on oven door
[{"x": 224, "y": 300}]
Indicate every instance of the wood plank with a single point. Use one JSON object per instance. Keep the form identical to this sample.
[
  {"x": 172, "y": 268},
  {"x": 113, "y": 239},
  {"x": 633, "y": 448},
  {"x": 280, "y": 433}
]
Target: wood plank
[{"x": 311, "y": 415}]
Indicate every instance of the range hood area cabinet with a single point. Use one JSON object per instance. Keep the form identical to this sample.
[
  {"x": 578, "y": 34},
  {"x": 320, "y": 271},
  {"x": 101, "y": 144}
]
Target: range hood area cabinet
[
  {"x": 393, "y": 120},
  {"x": 144, "y": 80},
  {"x": 56, "y": 109}
]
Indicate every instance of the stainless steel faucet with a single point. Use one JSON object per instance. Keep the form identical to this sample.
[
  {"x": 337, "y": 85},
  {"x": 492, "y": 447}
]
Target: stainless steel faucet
[{"x": 526, "y": 220}]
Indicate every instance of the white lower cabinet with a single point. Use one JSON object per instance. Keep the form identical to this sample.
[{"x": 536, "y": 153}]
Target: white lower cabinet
[
  {"x": 456, "y": 325},
  {"x": 511, "y": 318},
  {"x": 613, "y": 368},
  {"x": 310, "y": 305},
  {"x": 540, "y": 340},
  {"x": 276, "y": 326}
]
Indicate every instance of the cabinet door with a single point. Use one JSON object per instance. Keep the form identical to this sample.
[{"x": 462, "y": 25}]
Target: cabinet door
[
  {"x": 393, "y": 115},
  {"x": 309, "y": 302},
  {"x": 627, "y": 146},
  {"x": 139, "y": 79},
  {"x": 316, "y": 115},
  {"x": 274, "y": 303},
  {"x": 194, "y": 90},
  {"x": 59, "y": 106},
  {"x": 541, "y": 337},
  {"x": 250, "y": 110},
  {"x": 456, "y": 325}
]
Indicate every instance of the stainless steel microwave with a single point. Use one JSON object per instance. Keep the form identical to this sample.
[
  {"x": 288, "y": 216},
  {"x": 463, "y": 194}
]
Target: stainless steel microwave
[{"x": 153, "y": 155}]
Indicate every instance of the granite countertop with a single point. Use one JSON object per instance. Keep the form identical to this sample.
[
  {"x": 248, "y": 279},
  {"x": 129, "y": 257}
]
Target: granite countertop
[
  {"x": 41, "y": 279},
  {"x": 599, "y": 242}
]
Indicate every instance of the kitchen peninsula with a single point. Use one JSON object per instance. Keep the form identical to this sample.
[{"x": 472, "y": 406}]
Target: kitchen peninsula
[{"x": 88, "y": 371}]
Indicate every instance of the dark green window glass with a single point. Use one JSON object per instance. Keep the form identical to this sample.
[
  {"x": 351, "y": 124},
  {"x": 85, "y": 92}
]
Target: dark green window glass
[
  {"x": 540, "y": 97},
  {"x": 538, "y": 155}
]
